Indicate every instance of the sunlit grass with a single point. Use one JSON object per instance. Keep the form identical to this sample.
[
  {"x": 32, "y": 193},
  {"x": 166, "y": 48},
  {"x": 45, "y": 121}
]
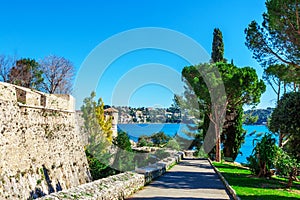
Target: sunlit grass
[{"x": 248, "y": 186}]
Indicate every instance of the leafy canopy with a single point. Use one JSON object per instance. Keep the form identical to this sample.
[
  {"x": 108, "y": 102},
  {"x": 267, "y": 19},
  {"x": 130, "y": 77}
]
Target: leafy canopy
[
  {"x": 26, "y": 73},
  {"x": 242, "y": 86},
  {"x": 263, "y": 155},
  {"x": 277, "y": 39},
  {"x": 99, "y": 141},
  {"x": 286, "y": 120}
]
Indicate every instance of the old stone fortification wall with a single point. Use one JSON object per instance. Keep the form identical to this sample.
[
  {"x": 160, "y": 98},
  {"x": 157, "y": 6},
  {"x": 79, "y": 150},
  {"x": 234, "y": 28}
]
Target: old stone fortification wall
[
  {"x": 40, "y": 151},
  {"x": 118, "y": 186}
]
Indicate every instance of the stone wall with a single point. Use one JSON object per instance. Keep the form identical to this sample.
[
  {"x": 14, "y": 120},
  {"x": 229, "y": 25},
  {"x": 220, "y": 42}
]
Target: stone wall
[
  {"x": 112, "y": 188},
  {"x": 79, "y": 122},
  {"x": 40, "y": 150}
]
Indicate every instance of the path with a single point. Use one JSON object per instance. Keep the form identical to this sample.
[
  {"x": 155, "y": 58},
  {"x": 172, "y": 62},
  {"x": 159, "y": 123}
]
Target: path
[{"x": 188, "y": 180}]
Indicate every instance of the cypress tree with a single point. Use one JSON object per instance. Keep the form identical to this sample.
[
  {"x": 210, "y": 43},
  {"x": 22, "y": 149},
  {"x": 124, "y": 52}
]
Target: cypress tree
[{"x": 217, "y": 54}]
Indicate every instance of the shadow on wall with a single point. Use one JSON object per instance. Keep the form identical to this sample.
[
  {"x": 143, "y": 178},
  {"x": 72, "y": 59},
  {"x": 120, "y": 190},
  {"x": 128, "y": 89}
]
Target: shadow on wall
[{"x": 37, "y": 192}]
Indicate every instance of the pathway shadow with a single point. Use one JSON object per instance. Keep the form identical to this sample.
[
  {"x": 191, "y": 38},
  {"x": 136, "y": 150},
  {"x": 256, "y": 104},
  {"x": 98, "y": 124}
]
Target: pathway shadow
[
  {"x": 187, "y": 175},
  {"x": 188, "y": 180},
  {"x": 186, "y": 163}
]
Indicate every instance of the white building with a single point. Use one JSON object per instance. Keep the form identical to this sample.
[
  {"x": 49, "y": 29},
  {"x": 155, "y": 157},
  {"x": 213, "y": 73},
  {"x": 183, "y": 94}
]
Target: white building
[{"x": 114, "y": 114}]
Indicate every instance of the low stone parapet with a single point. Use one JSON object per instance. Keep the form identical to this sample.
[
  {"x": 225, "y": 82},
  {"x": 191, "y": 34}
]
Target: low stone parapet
[
  {"x": 189, "y": 154},
  {"x": 118, "y": 186},
  {"x": 157, "y": 169},
  {"x": 114, "y": 187}
]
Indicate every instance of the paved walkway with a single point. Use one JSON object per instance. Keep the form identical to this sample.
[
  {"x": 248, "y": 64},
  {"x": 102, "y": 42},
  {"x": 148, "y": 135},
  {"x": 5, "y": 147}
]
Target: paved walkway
[{"x": 189, "y": 180}]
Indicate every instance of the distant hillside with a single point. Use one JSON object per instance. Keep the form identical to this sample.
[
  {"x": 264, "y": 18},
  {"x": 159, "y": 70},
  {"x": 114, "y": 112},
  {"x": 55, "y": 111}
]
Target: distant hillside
[
  {"x": 261, "y": 114},
  {"x": 150, "y": 115},
  {"x": 175, "y": 115}
]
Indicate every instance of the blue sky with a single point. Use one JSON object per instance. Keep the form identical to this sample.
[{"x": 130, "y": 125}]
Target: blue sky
[{"x": 73, "y": 29}]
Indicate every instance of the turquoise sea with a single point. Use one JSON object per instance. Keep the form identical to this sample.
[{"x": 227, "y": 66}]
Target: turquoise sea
[{"x": 137, "y": 130}]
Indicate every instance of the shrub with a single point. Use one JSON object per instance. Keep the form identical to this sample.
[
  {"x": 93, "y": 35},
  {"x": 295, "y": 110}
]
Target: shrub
[
  {"x": 263, "y": 155},
  {"x": 144, "y": 141},
  {"x": 286, "y": 166},
  {"x": 99, "y": 169},
  {"x": 173, "y": 144},
  {"x": 160, "y": 138},
  {"x": 124, "y": 159}
]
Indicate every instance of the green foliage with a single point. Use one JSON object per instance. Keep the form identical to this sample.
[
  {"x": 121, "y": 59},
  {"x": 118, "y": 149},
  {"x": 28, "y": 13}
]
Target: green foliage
[
  {"x": 95, "y": 122},
  {"x": 286, "y": 166},
  {"x": 175, "y": 116},
  {"x": 263, "y": 156},
  {"x": 276, "y": 40},
  {"x": 249, "y": 187},
  {"x": 250, "y": 119},
  {"x": 200, "y": 153},
  {"x": 286, "y": 120},
  {"x": 233, "y": 135},
  {"x": 122, "y": 141},
  {"x": 124, "y": 159},
  {"x": 173, "y": 144},
  {"x": 157, "y": 139},
  {"x": 217, "y": 54},
  {"x": 98, "y": 142},
  {"x": 160, "y": 138},
  {"x": 279, "y": 78},
  {"x": 99, "y": 169},
  {"x": 105, "y": 122},
  {"x": 243, "y": 87},
  {"x": 26, "y": 73},
  {"x": 257, "y": 116},
  {"x": 144, "y": 141}
]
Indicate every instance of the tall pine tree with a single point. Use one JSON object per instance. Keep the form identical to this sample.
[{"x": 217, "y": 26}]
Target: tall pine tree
[{"x": 217, "y": 54}]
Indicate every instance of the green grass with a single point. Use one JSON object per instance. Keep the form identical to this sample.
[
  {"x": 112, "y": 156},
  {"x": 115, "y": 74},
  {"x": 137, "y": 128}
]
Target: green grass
[{"x": 248, "y": 186}]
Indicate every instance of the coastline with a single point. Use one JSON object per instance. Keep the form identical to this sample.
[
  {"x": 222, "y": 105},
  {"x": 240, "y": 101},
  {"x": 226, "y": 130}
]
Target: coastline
[{"x": 135, "y": 130}]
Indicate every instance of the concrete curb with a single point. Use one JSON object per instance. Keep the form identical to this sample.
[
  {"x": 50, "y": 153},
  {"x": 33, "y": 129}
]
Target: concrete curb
[{"x": 229, "y": 188}]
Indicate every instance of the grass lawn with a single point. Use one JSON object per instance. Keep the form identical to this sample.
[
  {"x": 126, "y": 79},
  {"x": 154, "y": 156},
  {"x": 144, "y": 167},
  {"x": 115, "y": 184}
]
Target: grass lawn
[{"x": 248, "y": 186}]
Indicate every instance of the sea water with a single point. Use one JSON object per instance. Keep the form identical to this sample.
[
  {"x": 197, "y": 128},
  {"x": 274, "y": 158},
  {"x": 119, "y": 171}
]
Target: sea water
[{"x": 136, "y": 130}]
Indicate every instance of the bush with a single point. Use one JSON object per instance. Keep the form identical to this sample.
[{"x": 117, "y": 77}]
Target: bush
[
  {"x": 97, "y": 168},
  {"x": 144, "y": 141},
  {"x": 200, "y": 153},
  {"x": 253, "y": 164},
  {"x": 263, "y": 155},
  {"x": 173, "y": 144},
  {"x": 124, "y": 159},
  {"x": 159, "y": 138},
  {"x": 286, "y": 166}
]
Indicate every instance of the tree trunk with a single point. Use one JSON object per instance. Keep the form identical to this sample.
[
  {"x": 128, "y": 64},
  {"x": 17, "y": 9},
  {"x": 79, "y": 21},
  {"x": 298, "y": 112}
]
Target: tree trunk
[
  {"x": 218, "y": 149},
  {"x": 290, "y": 182},
  {"x": 278, "y": 92},
  {"x": 262, "y": 171},
  {"x": 292, "y": 177},
  {"x": 280, "y": 139},
  {"x": 218, "y": 143}
]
